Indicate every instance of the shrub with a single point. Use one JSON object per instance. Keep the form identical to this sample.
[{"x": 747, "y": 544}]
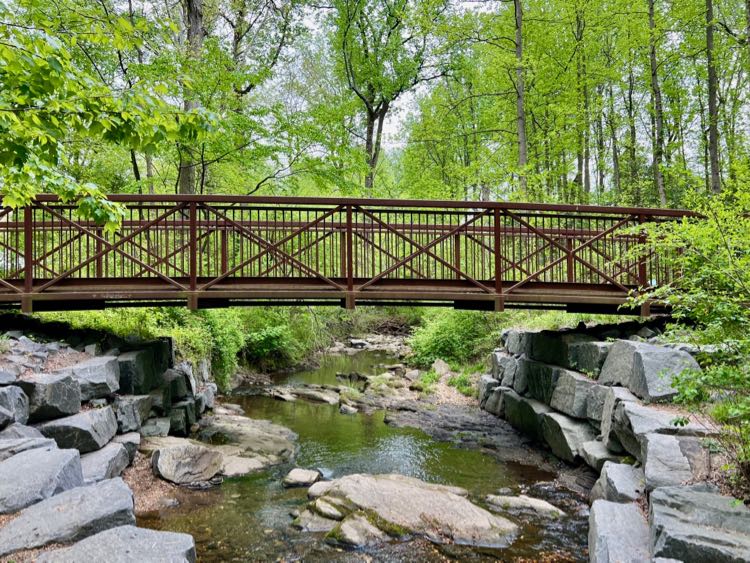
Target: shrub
[{"x": 454, "y": 336}]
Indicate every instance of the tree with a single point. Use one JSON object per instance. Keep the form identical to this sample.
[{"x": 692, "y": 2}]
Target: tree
[
  {"x": 523, "y": 150},
  {"x": 384, "y": 49},
  {"x": 713, "y": 111},
  {"x": 46, "y": 99}
]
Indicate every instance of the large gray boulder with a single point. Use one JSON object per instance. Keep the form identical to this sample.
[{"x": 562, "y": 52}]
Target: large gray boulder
[
  {"x": 156, "y": 427},
  {"x": 176, "y": 380},
  {"x": 632, "y": 422},
  {"x": 596, "y": 454},
  {"x": 597, "y": 395},
  {"x": 525, "y": 414},
  {"x": 98, "y": 377},
  {"x": 106, "y": 463},
  {"x": 486, "y": 384},
  {"x": 672, "y": 460},
  {"x": 69, "y": 516},
  {"x": 520, "y": 378},
  {"x": 131, "y": 441},
  {"x": 613, "y": 396},
  {"x": 127, "y": 544},
  {"x": 553, "y": 347},
  {"x": 138, "y": 371},
  {"x": 565, "y": 436},
  {"x": 588, "y": 357},
  {"x": 9, "y": 448},
  {"x": 541, "y": 379},
  {"x": 18, "y": 430},
  {"x": 496, "y": 402},
  {"x": 86, "y": 431},
  {"x": 185, "y": 463},
  {"x": 439, "y": 513},
  {"x": 37, "y": 474},
  {"x": 509, "y": 373},
  {"x": 619, "y": 482},
  {"x": 517, "y": 342},
  {"x": 645, "y": 369},
  {"x": 51, "y": 395},
  {"x": 15, "y": 401},
  {"x": 131, "y": 412},
  {"x": 498, "y": 360},
  {"x": 696, "y": 524},
  {"x": 618, "y": 533},
  {"x": 571, "y": 394},
  {"x": 6, "y": 417}
]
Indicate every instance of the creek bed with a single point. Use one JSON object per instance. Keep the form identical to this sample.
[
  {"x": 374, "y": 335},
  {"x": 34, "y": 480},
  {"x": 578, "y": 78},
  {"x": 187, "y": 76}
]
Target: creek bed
[{"x": 248, "y": 519}]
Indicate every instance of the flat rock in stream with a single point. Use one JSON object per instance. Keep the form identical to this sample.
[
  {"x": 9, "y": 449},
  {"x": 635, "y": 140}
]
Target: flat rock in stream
[
  {"x": 523, "y": 504},
  {"x": 401, "y": 506},
  {"x": 252, "y": 437},
  {"x": 299, "y": 477}
]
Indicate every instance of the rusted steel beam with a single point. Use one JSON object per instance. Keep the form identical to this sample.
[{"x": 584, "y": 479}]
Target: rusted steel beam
[{"x": 395, "y": 203}]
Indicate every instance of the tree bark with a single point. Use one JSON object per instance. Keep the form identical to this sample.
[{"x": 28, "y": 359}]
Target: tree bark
[
  {"x": 193, "y": 19},
  {"x": 613, "y": 139},
  {"x": 373, "y": 141},
  {"x": 523, "y": 149},
  {"x": 657, "y": 110},
  {"x": 632, "y": 139},
  {"x": 713, "y": 108}
]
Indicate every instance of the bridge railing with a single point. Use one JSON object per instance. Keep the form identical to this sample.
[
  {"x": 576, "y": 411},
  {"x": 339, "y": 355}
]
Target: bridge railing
[{"x": 233, "y": 248}]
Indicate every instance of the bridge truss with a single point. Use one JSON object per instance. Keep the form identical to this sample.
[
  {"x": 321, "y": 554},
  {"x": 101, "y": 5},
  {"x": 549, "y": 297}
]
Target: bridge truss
[{"x": 217, "y": 251}]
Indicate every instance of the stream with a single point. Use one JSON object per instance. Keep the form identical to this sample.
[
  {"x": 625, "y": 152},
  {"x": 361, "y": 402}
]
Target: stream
[{"x": 248, "y": 518}]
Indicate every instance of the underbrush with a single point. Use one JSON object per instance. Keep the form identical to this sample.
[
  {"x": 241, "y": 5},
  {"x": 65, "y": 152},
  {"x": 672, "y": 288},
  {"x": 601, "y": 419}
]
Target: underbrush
[{"x": 259, "y": 338}]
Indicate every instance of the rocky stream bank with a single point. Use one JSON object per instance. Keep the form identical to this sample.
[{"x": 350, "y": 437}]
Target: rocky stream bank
[
  {"x": 595, "y": 396},
  {"x": 353, "y": 459}
]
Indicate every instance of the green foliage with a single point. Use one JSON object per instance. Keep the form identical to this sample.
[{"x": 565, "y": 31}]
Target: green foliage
[
  {"x": 47, "y": 99},
  {"x": 713, "y": 254},
  {"x": 465, "y": 383},
  {"x": 426, "y": 382},
  {"x": 454, "y": 336},
  {"x": 271, "y": 347}
]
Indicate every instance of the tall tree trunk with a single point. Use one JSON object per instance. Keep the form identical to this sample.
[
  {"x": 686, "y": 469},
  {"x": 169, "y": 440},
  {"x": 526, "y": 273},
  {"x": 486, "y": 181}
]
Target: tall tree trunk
[
  {"x": 373, "y": 142},
  {"x": 586, "y": 132},
  {"x": 747, "y": 30},
  {"x": 523, "y": 150},
  {"x": 632, "y": 139},
  {"x": 150, "y": 173},
  {"x": 193, "y": 17},
  {"x": 657, "y": 110},
  {"x": 613, "y": 140},
  {"x": 713, "y": 108},
  {"x": 600, "y": 149}
]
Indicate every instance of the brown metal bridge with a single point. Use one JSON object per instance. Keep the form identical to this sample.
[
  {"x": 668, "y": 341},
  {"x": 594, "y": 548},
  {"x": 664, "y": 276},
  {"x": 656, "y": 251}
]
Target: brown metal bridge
[{"x": 217, "y": 251}]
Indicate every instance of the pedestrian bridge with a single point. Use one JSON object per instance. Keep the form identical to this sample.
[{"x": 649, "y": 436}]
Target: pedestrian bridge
[{"x": 218, "y": 251}]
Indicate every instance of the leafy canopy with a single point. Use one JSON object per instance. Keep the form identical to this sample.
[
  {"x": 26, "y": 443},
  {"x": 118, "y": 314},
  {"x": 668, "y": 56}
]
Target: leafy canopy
[{"x": 48, "y": 101}]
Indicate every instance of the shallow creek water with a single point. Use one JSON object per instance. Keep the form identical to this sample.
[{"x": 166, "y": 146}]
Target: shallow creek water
[{"x": 247, "y": 519}]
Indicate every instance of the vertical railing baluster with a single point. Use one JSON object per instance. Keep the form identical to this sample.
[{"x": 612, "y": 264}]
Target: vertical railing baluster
[
  {"x": 193, "y": 299},
  {"x": 499, "y": 299},
  {"x": 28, "y": 258},
  {"x": 349, "y": 260}
]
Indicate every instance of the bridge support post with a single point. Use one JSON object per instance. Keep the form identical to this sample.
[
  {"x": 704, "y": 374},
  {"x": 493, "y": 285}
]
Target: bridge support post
[
  {"x": 500, "y": 299},
  {"x": 349, "y": 300},
  {"x": 28, "y": 259}
]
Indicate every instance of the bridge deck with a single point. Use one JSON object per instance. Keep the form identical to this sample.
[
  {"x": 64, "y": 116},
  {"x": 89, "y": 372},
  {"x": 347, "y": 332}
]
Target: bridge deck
[{"x": 213, "y": 251}]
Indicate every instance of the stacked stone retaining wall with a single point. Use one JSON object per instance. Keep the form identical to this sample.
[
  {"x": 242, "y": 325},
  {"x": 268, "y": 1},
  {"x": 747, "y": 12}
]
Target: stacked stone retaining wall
[
  {"x": 598, "y": 396},
  {"x": 72, "y": 414}
]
